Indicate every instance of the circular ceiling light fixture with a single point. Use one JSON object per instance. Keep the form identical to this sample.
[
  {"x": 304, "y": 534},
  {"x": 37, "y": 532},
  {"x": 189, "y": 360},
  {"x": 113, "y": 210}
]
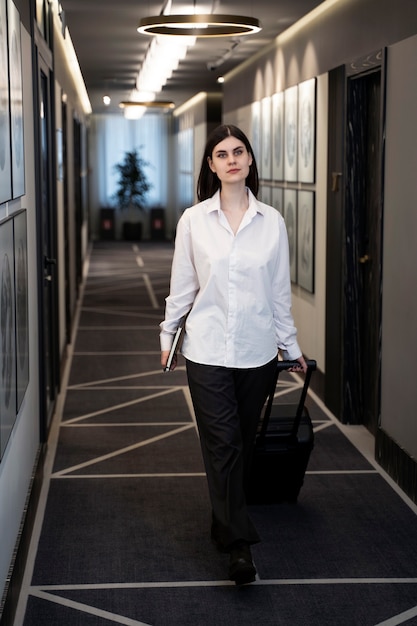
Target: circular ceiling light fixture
[{"x": 204, "y": 25}]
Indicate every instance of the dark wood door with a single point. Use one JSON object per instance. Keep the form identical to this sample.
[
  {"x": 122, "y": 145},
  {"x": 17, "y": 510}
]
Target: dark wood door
[{"x": 362, "y": 267}]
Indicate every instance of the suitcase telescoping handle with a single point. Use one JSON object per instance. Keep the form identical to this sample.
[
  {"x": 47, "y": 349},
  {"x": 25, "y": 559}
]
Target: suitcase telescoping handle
[{"x": 282, "y": 366}]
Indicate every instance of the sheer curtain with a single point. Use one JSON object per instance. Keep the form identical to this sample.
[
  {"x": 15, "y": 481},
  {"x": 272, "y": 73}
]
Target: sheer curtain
[{"x": 110, "y": 137}]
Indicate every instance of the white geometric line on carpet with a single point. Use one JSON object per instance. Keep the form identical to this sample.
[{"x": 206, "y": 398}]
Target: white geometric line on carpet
[
  {"x": 335, "y": 472},
  {"x": 105, "y": 476},
  {"x": 140, "y": 262},
  {"x": 121, "y": 312},
  {"x": 122, "y": 405},
  {"x": 117, "y": 378},
  {"x": 111, "y": 455},
  {"x": 200, "y": 474},
  {"x": 401, "y": 618},
  {"x": 120, "y": 424},
  {"x": 90, "y": 610},
  {"x": 322, "y": 426},
  {"x": 213, "y": 583},
  {"x": 107, "y": 387},
  {"x": 149, "y": 289}
]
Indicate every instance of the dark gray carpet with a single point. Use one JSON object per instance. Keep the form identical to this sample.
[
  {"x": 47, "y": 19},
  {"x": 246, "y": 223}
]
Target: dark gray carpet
[{"x": 125, "y": 535}]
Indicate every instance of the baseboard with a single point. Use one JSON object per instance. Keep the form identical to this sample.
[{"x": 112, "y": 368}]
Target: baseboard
[
  {"x": 399, "y": 465},
  {"x": 10, "y": 597}
]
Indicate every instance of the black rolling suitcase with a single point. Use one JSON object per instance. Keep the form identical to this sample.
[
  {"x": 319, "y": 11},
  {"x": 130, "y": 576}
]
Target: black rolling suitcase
[{"x": 282, "y": 447}]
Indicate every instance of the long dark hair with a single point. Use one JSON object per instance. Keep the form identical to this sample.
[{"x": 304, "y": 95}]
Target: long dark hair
[{"x": 208, "y": 182}]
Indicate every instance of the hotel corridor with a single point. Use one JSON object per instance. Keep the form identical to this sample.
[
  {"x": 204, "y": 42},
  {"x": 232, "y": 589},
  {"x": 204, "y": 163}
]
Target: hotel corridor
[{"x": 122, "y": 534}]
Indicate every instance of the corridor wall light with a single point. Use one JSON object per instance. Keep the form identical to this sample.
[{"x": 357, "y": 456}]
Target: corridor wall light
[{"x": 199, "y": 25}]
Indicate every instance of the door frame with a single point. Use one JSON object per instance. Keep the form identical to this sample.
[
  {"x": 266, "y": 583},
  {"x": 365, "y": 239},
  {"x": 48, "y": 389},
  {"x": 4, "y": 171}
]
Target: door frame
[
  {"x": 335, "y": 379},
  {"x": 49, "y": 362}
]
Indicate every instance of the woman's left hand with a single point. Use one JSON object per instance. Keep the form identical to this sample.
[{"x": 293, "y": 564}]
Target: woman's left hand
[{"x": 302, "y": 365}]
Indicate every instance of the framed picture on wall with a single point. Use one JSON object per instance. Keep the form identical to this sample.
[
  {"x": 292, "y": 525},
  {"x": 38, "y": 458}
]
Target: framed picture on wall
[
  {"x": 5, "y": 165},
  {"x": 266, "y": 162},
  {"x": 265, "y": 194},
  {"x": 291, "y": 135},
  {"x": 16, "y": 101},
  {"x": 307, "y": 131},
  {"x": 21, "y": 292},
  {"x": 305, "y": 240},
  {"x": 256, "y": 130},
  {"x": 7, "y": 334},
  {"x": 277, "y": 199},
  {"x": 278, "y": 136},
  {"x": 290, "y": 217}
]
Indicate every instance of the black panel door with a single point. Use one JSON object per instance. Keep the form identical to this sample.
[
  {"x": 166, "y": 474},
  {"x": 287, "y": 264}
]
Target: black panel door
[{"x": 362, "y": 243}]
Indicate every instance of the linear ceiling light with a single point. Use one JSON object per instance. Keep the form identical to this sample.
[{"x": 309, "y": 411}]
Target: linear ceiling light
[
  {"x": 208, "y": 25},
  {"x": 152, "y": 104}
]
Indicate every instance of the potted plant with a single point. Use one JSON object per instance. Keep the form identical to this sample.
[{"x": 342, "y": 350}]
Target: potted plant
[{"x": 133, "y": 186}]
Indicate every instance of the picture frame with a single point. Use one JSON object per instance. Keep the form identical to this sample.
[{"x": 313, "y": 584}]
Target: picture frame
[
  {"x": 256, "y": 130},
  {"x": 291, "y": 133},
  {"x": 16, "y": 101},
  {"x": 306, "y": 240},
  {"x": 22, "y": 313},
  {"x": 278, "y": 136},
  {"x": 290, "y": 217},
  {"x": 307, "y": 131},
  {"x": 7, "y": 334},
  {"x": 266, "y": 160},
  {"x": 277, "y": 199},
  {"x": 265, "y": 194},
  {"x": 5, "y": 139}
]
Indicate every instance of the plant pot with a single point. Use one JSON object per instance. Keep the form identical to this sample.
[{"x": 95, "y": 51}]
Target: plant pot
[{"x": 132, "y": 231}]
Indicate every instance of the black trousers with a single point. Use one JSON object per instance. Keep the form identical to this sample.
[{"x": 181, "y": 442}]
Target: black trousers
[{"x": 227, "y": 404}]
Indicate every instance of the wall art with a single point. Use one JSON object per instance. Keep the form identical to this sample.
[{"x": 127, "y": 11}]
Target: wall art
[
  {"x": 278, "y": 199},
  {"x": 305, "y": 240},
  {"x": 278, "y": 136},
  {"x": 265, "y": 194},
  {"x": 266, "y": 161},
  {"x": 256, "y": 131},
  {"x": 307, "y": 131},
  {"x": 290, "y": 217},
  {"x": 291, "y": 135},
  {"x": 5, "y": 165},
  {"x": 7, "y": 334},
  {"x": 16, "y": 101},
  {"x": 21, "y": 294}
]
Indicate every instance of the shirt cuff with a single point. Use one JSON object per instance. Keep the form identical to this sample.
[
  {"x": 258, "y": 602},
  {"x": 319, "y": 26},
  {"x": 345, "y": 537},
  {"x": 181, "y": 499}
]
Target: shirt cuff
[{"x": 166, "y": 340}]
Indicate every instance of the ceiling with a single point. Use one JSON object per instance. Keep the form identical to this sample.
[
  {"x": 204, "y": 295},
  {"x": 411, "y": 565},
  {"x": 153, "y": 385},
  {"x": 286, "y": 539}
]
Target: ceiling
[{"x": 110, "y": 50}]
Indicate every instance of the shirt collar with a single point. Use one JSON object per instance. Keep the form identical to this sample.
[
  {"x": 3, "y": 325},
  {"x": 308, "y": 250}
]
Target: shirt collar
[{"x": 213, "y": 203}]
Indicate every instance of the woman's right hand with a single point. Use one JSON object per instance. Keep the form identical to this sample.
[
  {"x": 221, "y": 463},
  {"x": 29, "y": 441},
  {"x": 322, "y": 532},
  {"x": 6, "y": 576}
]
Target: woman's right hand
[{"x": 164, "y": 359}]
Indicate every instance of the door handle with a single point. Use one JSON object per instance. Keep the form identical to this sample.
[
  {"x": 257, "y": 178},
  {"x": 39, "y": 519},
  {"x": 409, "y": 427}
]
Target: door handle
[
  {"x": 364, "y": 259},
  {"x": 335, "y": 180}
]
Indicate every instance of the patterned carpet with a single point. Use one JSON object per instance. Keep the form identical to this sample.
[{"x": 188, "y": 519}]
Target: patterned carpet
[{"x": 122, "y": 533}]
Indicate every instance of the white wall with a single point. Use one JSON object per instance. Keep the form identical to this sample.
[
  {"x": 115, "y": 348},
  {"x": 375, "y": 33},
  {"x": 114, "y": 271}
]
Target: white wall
[
  {"x": 18, "y": 462},
  {"x": 399, "y": 295}
]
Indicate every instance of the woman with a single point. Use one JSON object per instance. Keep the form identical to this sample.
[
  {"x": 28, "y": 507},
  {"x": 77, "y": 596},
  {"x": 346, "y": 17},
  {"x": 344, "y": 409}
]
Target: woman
[{"x": 230, "y": 273}]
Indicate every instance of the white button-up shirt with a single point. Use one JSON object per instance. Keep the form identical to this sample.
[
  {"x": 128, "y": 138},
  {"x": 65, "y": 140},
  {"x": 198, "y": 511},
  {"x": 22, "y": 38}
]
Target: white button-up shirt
[{"x": 237, "y": 286}]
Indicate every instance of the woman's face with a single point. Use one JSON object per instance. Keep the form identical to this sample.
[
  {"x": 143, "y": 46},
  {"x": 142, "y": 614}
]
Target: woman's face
[{"x": 230, "y": 160}]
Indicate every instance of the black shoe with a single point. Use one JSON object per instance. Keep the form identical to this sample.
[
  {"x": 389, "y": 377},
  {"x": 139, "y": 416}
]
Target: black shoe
[{"x": 241, "y": 567}]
